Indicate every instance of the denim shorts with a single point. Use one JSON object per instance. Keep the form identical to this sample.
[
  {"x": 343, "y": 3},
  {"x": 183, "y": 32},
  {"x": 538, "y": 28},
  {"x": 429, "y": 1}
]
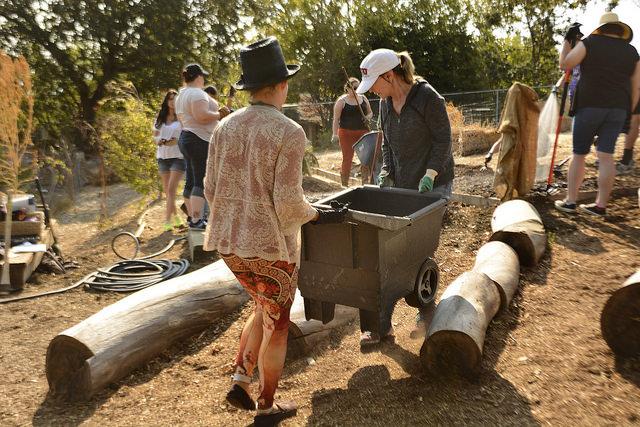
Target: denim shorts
[
  {"x": 605, "y": 123},
  {"x": 173, "y": 164}
]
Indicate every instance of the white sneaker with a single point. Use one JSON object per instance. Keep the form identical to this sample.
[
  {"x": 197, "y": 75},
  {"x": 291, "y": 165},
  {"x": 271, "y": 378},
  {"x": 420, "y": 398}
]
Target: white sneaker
[{"x": 623, "y": 169}]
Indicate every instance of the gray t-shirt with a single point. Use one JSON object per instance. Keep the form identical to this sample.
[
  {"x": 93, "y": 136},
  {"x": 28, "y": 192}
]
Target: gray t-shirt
[{"x": 418, "y": 139}]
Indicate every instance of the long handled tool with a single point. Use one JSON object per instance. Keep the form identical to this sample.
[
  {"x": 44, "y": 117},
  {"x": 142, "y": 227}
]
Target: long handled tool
[
  {"x": 355, "y": 96},
  {"x": 565, "y": 89},
  {"x": 366, "y": 123},
  {"x": 47, "y": 220}
]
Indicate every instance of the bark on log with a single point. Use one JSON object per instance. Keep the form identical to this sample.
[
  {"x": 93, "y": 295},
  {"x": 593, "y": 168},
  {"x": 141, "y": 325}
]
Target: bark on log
[
  {"x": 456, "y": 335},
  {"x": 305, "y": 334},
  {"x": 620, "y": 319},
  {"x": 500, "y": 263},
  {"x": 125, "y": 335},
  {"x": 518, "y": 224}
]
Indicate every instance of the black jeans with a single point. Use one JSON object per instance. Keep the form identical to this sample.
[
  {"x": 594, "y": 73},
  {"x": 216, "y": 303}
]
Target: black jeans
[{"x": 195, "y": 151}]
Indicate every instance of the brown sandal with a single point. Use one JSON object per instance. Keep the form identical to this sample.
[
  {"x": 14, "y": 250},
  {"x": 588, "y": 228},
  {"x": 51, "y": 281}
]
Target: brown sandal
[{"x": 283, "y": 411}]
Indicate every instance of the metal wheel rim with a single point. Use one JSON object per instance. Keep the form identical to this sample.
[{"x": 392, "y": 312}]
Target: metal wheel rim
[{"x": 425, "y": 288}]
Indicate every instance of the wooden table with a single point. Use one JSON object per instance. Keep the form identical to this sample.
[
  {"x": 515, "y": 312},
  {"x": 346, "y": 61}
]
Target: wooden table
[{"x": 23, "y": 264}]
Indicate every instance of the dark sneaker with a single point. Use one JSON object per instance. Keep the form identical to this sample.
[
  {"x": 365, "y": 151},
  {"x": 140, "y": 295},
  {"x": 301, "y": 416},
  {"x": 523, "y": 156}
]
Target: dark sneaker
[
  {"x": 623, "y": 169},
  {"x": 592, "y": 209},
  {"x": 201, "y": 224},
  {"x": 563, "y": 206}
]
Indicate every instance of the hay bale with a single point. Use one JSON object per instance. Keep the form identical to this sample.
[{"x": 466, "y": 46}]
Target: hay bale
[{"x": 475, "y": 139}]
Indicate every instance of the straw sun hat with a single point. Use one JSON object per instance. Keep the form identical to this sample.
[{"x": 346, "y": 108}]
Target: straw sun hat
[{"x": 612, "y": 18}]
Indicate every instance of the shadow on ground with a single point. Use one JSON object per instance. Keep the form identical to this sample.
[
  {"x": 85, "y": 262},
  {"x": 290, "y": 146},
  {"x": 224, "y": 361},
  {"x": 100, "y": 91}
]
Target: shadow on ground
[
  {"x": 373, "y": 398},
  {"x": 76, "y": 413},
  {"x": 420, "y": 400}
]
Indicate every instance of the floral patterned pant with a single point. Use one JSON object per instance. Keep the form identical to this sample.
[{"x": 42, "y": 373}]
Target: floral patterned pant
[{"x": 263, "y": 343}]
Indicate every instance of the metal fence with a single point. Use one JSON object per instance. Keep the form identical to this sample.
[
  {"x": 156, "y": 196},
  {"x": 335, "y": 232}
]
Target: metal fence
[{"x": 478, "y": 107}]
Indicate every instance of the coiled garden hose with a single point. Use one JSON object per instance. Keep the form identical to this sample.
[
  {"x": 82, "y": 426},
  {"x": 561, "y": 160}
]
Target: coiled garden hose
[
  {"x": 133, "y": 275},
  {"x": 129, "y": 275}
]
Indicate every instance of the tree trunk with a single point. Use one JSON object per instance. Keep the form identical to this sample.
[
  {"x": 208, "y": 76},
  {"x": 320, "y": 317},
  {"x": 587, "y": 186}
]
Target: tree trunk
[
  {"x": 5, "y": 277},
  {"x": 620, "y": 319},
  {"x": 456, "y": 335},
  {"x": 518, "y": 224},
  {"x": 500, "y": 263},
  {"x": 124, "y": 336}
]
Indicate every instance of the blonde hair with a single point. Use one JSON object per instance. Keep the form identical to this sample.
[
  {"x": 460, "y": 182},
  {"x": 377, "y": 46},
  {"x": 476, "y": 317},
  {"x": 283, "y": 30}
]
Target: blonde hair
[
  {"x": 349, "y": 84},
  {"x": 406, "y": 69}
]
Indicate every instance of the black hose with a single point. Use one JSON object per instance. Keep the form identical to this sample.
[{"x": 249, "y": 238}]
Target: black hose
[
  {"x": 124, "y": 276},
  {"x": 137, "y": 244},
  {"x": 133, "y": 275}
]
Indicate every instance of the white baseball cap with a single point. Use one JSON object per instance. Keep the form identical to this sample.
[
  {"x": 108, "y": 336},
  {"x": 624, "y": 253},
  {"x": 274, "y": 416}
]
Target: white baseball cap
[{"x": 377, "y": 62}]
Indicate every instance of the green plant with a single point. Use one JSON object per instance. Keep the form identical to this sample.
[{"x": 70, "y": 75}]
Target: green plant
[
  {"x": 309, "y": 161},
  {"x": 16, "y": 104},
  {"x": 124, "y": 130},
  {"x": 323, "y": 141}
]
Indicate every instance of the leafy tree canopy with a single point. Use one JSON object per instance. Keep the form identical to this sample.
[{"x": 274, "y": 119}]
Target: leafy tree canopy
[{"x": 78, "y": 46}]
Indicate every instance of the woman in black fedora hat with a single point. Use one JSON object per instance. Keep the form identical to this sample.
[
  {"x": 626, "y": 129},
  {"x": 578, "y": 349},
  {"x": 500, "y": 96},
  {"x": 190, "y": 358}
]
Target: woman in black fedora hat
[{"x": 254, "y": 183}]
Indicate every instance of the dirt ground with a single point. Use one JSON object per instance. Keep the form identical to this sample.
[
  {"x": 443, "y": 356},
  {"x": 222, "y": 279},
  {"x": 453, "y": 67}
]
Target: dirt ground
[{"x": 545, "y": 361}]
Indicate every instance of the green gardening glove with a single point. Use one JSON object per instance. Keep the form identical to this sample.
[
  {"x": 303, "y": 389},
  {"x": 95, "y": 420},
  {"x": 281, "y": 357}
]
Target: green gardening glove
[
  {"x": 384, "y": 180},
  {"x": 426, "y": 183}
]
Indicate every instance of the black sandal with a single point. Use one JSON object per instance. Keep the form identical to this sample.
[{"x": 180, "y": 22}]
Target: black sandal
[
  {"x": 240, "y": 399},
  {"x": 283, "y": 411}
]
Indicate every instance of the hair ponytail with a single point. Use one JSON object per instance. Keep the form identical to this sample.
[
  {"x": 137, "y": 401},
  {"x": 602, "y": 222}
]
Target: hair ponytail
[{"x": 406, "y": 69}]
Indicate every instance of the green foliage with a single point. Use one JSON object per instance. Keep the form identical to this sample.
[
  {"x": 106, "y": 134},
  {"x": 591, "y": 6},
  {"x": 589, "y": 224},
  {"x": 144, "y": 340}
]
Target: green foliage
[
  {"x": 530, "y": 57},
  {"x": 124, "y": 128},
  {"x": 309, "y": 161},
  {"x": 76, "y": 47}
]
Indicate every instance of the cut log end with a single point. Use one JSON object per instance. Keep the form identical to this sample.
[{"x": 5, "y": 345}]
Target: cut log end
[
  {"x": 521, "y": 243},
  {"x": 620, "y": 321},
  {"x": 67, "y": 372},
  {"x": 451, "y": 353}
]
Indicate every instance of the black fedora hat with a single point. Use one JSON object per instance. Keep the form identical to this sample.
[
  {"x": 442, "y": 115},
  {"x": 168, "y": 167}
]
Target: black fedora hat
[{"x": 263, "y": 65}]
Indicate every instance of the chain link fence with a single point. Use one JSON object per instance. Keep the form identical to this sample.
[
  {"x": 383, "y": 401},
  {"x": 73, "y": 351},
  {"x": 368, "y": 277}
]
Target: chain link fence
[{"x": 482, "y": 107}]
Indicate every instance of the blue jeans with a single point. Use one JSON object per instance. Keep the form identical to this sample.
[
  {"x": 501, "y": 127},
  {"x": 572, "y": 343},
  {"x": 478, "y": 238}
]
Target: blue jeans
[
  {"x": 195, "y": 151},
  {"x": 605, "y": 123}
]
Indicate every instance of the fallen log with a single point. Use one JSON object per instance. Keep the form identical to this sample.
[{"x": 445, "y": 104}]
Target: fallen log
[
  {"x": 124, "y": 336},
  {"x": 518, "y": 224},
  {"x": 500, "y": 263},
  {"x": 620, "y": 319},
  {"x": 305, "y": 334},
  {"x": 455, "y": 338}
]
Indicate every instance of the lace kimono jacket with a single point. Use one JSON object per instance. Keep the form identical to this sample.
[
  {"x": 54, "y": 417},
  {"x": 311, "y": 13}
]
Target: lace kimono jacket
[{"x": 253, "y": 185}]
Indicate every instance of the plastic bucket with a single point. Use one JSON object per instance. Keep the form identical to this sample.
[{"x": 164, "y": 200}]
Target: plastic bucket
[{"x": 365, "y": 147}]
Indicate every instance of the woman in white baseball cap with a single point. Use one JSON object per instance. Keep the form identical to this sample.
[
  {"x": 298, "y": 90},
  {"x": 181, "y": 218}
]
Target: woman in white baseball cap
[{"x": 416, "y": 143}]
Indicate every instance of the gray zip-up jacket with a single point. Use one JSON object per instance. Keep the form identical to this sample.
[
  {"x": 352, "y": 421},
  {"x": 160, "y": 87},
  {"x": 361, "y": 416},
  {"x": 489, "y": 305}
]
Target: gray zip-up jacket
[{"x": 418, "y": 139}]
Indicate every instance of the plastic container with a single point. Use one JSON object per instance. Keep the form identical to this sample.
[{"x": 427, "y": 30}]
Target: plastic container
[
  {"x": 27, "y": 202},
  {"x": 365, "y": 148},
  {"x": 382, "y": 253}
]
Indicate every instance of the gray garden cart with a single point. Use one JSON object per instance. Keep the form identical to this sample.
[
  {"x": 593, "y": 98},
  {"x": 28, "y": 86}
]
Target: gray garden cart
[{"x": 382, "y": 253}]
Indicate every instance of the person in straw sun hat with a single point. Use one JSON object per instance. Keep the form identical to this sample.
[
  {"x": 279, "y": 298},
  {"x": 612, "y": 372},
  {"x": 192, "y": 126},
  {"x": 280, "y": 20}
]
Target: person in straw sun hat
[{"x": 608, "y": 90}]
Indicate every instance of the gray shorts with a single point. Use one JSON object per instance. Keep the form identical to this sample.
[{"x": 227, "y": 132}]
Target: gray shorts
[{"x": 172, "y": 164}]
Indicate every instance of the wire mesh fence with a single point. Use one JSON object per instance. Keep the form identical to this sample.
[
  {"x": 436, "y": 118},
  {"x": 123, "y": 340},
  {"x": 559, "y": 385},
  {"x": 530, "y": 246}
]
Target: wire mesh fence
[{"x": 482, "y": 107}]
